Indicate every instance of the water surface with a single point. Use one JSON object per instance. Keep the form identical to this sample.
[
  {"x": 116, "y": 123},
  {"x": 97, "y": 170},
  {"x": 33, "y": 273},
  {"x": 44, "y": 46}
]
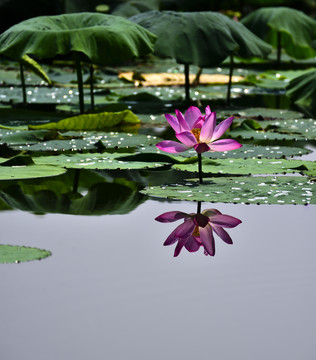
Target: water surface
[{"x": 111, "y": 290}]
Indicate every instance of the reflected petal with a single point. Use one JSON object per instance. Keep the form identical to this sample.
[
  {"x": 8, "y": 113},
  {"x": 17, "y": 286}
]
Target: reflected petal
[
  {"x": 207, "y": 239},
  {"x": 179, "y": 246},
  {"x": 192, "y": 245},
  {"x": 225, "y": 145},
  {"x": 223, "y": 234},
  {"x": 171, "y": 216},
  {"x": 226, "y": 221},
  {"x": 172, "y": 146}
]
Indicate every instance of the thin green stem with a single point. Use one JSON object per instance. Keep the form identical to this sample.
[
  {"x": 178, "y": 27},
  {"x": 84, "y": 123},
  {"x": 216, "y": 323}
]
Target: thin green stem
[
  {"x": 79, "y": 80},
  {"x": 187, "y": 82},
  {"x": 231, "y": 69},
  {"x": 279, "y": 49},
  {"x": 23, "y": 83},
  {"x": 200, "y": 168},
  {"x": 91, "y": 86}
]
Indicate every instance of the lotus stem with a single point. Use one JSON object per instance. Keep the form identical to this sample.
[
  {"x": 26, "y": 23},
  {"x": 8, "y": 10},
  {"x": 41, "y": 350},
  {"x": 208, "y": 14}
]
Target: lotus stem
[
  {"x": 200, "y": 168},
  {"x": 23, "y": 84},
  {"x": 187, "y": 82},
  {"x": 91, "y": 86},
  {"x": 279, "y": 48},
  {"x": 79, "y": 80},
  {"x": 231, "y": 69}
]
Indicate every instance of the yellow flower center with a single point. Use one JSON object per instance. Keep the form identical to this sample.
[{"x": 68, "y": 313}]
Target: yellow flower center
[
  {"x": 196, "y": 133},
  {"x": 196, "y": 231}
]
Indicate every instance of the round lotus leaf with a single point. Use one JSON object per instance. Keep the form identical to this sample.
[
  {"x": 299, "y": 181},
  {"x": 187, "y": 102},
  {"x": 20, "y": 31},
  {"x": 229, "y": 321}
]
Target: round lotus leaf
[
  {"x": 297, "y": 29},
  {"x": 102, "y": 39},
  {"x": 193, "y": 36}
]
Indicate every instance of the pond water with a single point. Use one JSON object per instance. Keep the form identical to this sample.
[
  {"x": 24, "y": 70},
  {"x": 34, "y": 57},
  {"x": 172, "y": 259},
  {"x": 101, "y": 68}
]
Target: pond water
[{"x": 111, "y": 290}]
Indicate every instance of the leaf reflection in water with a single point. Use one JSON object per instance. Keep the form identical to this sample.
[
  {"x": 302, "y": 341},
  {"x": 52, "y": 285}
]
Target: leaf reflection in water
[{"x": 197, "y": 229}]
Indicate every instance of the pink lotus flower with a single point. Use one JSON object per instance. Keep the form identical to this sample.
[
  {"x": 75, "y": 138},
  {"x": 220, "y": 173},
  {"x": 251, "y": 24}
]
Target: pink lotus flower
[
  {"x": 198, "y": 131},
  {"x": 197, "y": 229}
]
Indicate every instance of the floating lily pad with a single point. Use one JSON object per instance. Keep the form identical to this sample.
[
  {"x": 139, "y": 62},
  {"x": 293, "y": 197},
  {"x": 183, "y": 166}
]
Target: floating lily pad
[
  {"x": 303, "y": 127},
  {"x": 263, "y": 113},
  {"x": 264, "y": 135},
  {"x": 244, "y": 190},
  {"x": 17, "y": 254},
  {"x": 94, "y": 161},
  {"x": 29, "y": 172},
  {"x": 245, "y": 152},
  {"x": 252, "y": 166}
]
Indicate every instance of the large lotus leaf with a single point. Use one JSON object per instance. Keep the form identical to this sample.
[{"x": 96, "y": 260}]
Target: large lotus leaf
[
  {"x": 103, "y": 39},
  {"x": 94, "y": 161},
  {"x": 101, "y": 198},
  {"x": 252, "y": 166},
  {"x": 298, "y": 30},
  {"x": 245, "y": 190},
  {"x": 91, "y": 122},
  {"x": 302, "y": 89},
  {"x": 193, "y": 36},
  {"x": 17, "y": 254},
  {"x": 29, "y": 172}
]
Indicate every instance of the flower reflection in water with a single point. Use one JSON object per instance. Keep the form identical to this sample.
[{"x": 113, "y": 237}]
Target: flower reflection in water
[{"x": 197, "y": 229}]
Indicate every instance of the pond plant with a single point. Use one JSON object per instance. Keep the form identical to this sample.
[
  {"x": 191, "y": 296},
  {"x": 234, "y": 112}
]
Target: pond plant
[
  {"x": 88, "y": 37},
  {"x": 286, "y": 28},
  {"x": 204, "y": 39},
  {"x": 198, "y": 131}
]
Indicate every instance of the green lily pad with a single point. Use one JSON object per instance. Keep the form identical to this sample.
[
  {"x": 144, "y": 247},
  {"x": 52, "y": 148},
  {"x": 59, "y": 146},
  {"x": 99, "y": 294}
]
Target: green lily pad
[
  {"x": 244, "y": 190},
  {"x": 263, "y": 113},
  {"x": 303, "y": 127},
  {"x": 94, "y": 161},
  {"x": 91, "y": 122},
  {"x": 17, "y": 254},
  {"x": 246, "y": 151},
  {"x": 29, "y": 172},
  {"x": 252, "y": 166}
]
